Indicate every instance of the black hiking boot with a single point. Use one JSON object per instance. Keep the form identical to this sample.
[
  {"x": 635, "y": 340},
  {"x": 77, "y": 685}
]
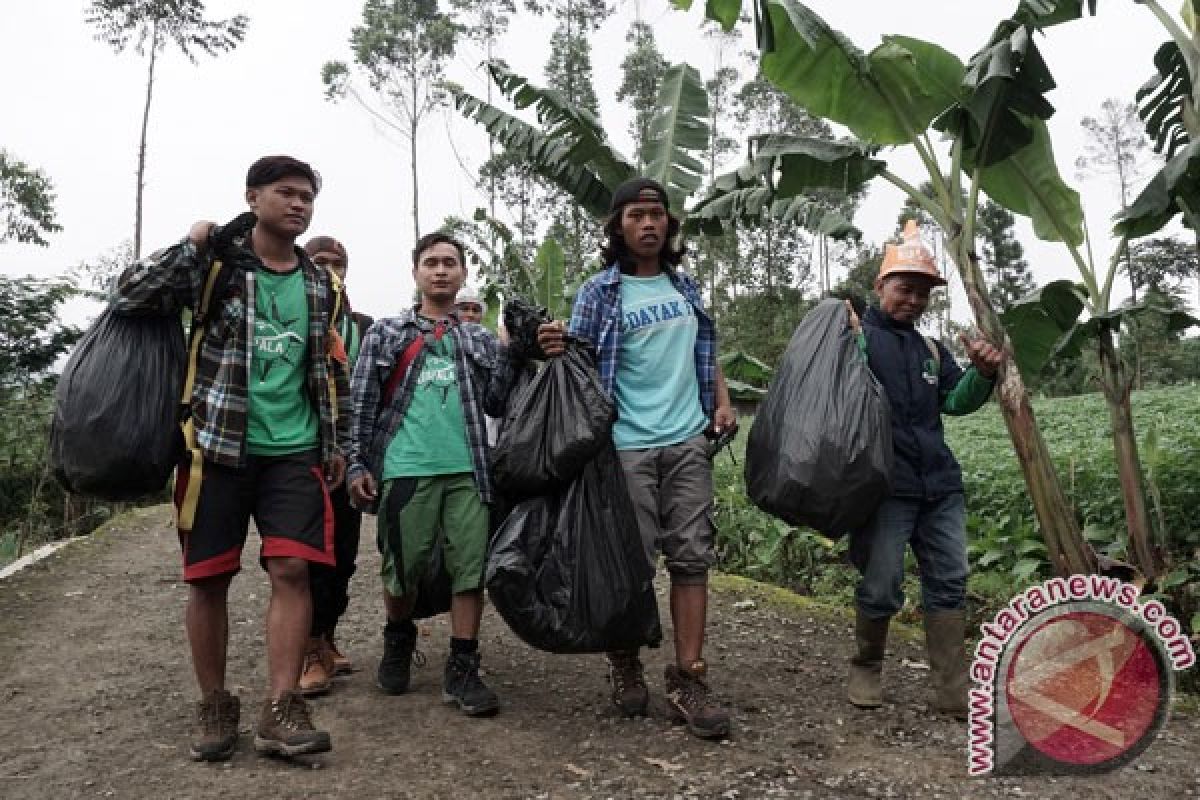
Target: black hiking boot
[
  {"x": 217, "y": 717},
  {"x": 629, "y": 692},
  {"x": 689, "y": 701},
  {"x": 463, "y": 686},
  {"x": 399, "y": 653}
]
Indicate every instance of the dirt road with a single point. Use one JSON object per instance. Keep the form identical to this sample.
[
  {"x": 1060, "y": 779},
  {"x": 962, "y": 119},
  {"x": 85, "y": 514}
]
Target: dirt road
[{"x": 96, "y": 695}]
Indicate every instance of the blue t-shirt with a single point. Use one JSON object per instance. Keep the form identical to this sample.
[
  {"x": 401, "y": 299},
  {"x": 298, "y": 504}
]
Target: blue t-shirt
[{"x": 657, "y": 394}]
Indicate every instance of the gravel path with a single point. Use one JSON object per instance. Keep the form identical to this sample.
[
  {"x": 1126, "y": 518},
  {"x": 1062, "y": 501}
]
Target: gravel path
[{"x": 96, "y": 696}]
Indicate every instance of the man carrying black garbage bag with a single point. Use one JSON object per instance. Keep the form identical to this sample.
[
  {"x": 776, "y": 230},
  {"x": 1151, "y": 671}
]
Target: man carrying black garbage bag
[
  {"x": 264, "y": 435},
  {"x": 926, "y": 508},
  {"x": 656, "y": 349}
]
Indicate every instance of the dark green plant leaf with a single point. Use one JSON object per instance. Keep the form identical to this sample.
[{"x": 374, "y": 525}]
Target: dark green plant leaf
[
  {"x": 1175, "y": 187},
  {"x": 805, "y": 162},
  {"x": 723, "y": 211},
  {"x": 723, "y": 12},
  {"x": 553, "y": 157},
  {"x": 886, "y": 97},
  {"x": 577, "y": 126},
  {"x": 1073, "y": 342},
  {"x": 1006, "y": 82},
  {"x": 1037, "y": 322},
  {"x": 1044, "y": 13},
  {"x": 1028, "y": 183},
  {"x": 774, "y": 181},
  {"x": 1164, "y": 100},
  {"x": 678, "y": 133},
  {"x": 549, "y": 265}
]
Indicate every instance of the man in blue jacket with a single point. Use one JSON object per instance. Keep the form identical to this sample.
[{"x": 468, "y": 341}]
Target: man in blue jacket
[{"x": 926, "y": 508}]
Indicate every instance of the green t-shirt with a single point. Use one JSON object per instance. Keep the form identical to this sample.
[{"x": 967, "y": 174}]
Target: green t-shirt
[
  {"x": 432, "y": 439},
  {"x": 282, "y": 419}
]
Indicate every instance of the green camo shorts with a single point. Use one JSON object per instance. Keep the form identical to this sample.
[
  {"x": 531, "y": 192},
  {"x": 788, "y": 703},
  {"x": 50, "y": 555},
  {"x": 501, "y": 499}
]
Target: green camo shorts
[{"x": 415, "y": 513}]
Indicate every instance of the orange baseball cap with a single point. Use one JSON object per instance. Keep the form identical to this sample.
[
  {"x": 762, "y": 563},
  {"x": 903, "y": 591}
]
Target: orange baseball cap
[{"x": 911, "y": 257}]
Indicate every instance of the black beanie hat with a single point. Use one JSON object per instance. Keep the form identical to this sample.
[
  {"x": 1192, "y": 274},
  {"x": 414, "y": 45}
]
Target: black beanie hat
[{"x": 639, "y": 189}]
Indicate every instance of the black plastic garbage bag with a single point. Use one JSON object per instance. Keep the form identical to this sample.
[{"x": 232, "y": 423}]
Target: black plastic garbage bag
[
  {"x": 115, "y": 433},
  {"x": 568, "y": 571},
  {"x": 820, "y": 450},
  {"x": 555, "y": 425},
  {"x": 521, "y": 321},
  {"x": 435, "y": 591}
]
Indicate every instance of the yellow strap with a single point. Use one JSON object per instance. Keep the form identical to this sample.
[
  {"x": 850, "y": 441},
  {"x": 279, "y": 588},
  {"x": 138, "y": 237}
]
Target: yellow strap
[
  {"x": 199, "y": 316},
  {"x": 335, "y": 286},
  {"x": 186, "y": 512}
]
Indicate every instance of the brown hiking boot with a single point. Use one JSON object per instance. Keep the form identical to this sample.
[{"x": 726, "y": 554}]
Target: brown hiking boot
[
  {"x": 341, "y": 664},
  {"x": 285, "y": 729},
  {"x": 217, "y": 717},
  {"x": 317, "y": 677},
  {"x": 629, "y": 692},
  {"x": 864, "y": 685},
  {"x": 689, "y": 701}
]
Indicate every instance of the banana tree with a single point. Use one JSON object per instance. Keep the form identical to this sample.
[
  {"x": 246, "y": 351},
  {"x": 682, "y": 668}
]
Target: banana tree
[
  {"x": 570, "y": 149},
  {"x": 992, "y": 112}
]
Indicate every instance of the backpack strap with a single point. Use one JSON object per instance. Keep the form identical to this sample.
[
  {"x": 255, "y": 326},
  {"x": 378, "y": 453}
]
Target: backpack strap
[
  {"x": 186, "y": 504},
  {"x": 406, "y": 360},
  {"x": 337, "y": 345},
  {"x": 397, "y": 375}
]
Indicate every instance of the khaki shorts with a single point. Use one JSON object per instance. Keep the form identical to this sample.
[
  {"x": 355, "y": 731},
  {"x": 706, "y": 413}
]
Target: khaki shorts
[
  {"x": 416, "y": 514},
  {"x": 672, "y": 493}
]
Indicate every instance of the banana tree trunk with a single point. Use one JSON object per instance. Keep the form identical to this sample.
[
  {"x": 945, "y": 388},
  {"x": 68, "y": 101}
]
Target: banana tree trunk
[
  {"x": 1116, "y": 388},
  {"x": 1069, "y": 552}
]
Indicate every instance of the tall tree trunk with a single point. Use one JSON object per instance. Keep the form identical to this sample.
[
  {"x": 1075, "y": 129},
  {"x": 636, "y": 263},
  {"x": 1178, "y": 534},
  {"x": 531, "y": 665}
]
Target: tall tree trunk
[
  {"x": 141, "y": 165},
  {"x": 1068, "y": 551},
  {"x": 416, "y": 187},
  {"x": 1129, "y": 467}
]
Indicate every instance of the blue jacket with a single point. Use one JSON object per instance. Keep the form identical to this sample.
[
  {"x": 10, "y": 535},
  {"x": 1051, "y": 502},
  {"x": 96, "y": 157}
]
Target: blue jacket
[{"x": 920, "y": 390}]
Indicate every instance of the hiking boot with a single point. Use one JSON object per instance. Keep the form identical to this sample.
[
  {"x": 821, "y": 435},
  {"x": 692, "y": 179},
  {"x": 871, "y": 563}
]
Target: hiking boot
[
  {"x": 689, "y": 701},
  {"x": 629, "y": 692},
  {"x": 341, "y": 664},
  {"x": 317, "y": 677},
  {"x": 399, "y": 653},
  {"x": 945, "y": 636},
  {"x": 463, "y": 686},
  {"x": 864, "y": 686},
  {"x": 285, "y": 729},
  {"x": 217, "y": 717}
]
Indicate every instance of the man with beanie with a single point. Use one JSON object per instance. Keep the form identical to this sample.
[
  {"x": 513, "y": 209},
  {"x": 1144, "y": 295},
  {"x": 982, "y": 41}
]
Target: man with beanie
[
  {"x": 926, "y": 509},
  {"x": 656, "y": 351}
]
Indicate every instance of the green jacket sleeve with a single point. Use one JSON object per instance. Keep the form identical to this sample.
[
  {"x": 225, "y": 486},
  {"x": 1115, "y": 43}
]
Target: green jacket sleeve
[{"x": 971, "y": 392}]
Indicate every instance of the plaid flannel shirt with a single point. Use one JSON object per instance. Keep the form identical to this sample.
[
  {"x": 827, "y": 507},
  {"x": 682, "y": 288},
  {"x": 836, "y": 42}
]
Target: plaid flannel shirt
[
  {"x": 596, "y": 319},
  {"x": 173, "y": 278},
  {"x": 484, "y": 372}
]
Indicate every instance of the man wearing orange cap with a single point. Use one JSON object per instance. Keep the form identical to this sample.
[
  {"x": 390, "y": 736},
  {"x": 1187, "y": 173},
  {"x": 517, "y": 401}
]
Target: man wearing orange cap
[{"x": 926, "y": 508}]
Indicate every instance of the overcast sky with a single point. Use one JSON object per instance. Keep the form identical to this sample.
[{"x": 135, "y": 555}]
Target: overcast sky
[{"x": 73, "y": 108}]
